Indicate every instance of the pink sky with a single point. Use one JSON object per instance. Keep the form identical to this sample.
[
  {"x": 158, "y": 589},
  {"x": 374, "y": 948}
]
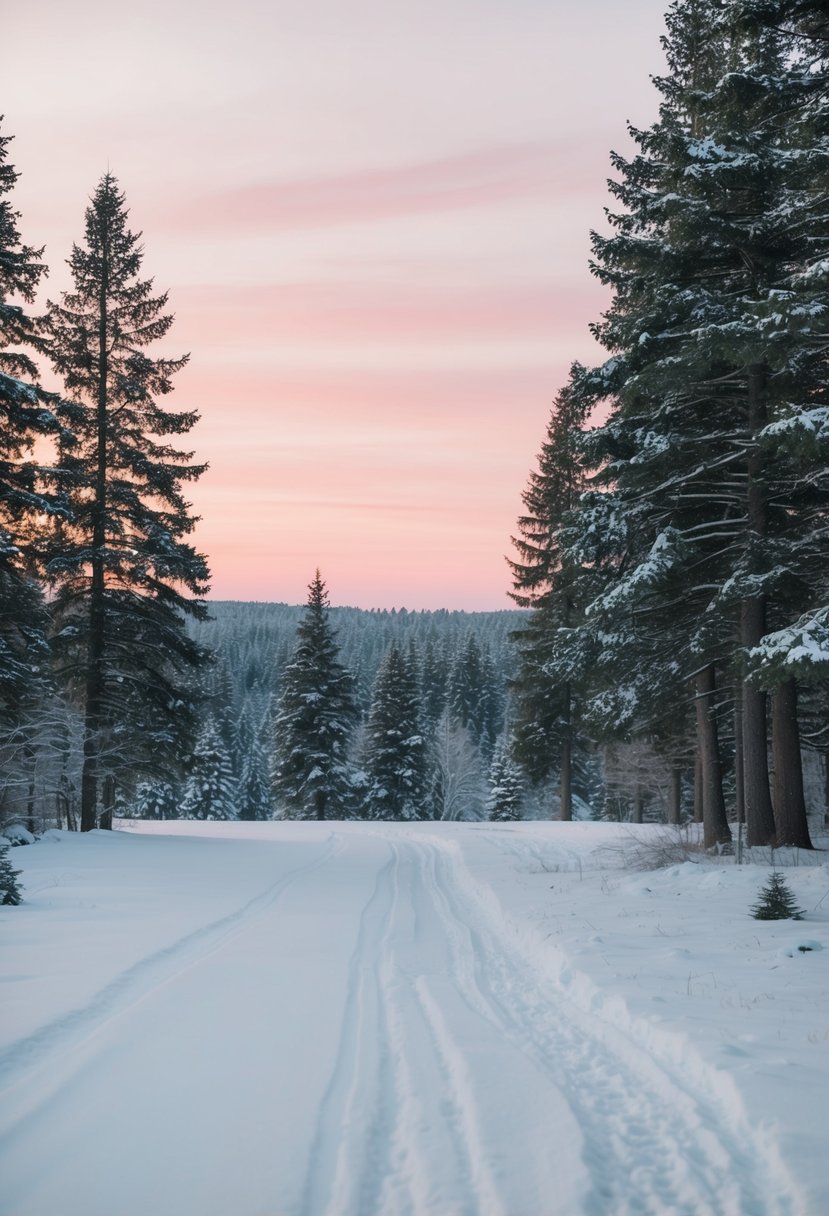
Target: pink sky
[{"x": 373, "y": 222}]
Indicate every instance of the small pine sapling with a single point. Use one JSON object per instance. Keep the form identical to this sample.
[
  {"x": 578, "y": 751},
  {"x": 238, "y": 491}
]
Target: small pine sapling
[
  {"x": 776, "y": 901},
  {"x": 10, "y": 892}
]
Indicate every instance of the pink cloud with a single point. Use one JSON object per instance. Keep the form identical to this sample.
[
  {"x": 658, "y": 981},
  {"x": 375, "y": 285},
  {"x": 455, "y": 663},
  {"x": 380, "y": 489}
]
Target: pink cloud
[
  {"x": 538, "y": 169},
  {"x": 345, "y": 311}
]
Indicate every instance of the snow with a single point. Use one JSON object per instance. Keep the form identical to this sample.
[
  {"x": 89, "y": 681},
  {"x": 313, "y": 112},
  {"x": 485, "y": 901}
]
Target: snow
[{"x": 426, "y": 1019}]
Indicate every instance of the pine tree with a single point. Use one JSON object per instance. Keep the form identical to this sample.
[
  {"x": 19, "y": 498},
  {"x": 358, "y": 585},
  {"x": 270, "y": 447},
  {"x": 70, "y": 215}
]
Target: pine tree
[
  {"x": 27, "y": 414},
  {"x": 210, "y": 789},
  {"x": 433, "y": 684},
  {"x": 314, "y": 720},
  {"x": 156, "y": 800},
  {"x": 505, "y": 787},
  {"x": 126, "y": 576},
  {"x": 10, "y": 892},
  {"x": 254, "y": 782},
  {"x": 547, "y": 580},
  {"x": 711, "y": 332},
  {"x": 394, "y": 756},
  {"x": 776, "y": 901}
]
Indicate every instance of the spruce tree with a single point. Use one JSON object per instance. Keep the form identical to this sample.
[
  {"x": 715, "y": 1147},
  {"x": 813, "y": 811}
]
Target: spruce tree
[
  {"x": 27, "y": 414},
  {"x": 210, "y": 789},
  {"x": 126, "y": 576},
  {"x": 314, "y": 719},
  {"x": 547, "y": 581},
  {"x": 157, "y": 799},
  {"x": 712, "y": 336},
  {"x": 505, "y": 787},
  {"x": 776, "y": 901},
  {"x": 254, "y": 782},
  {"x": 394, "y": 755},
  {"x": 10, "y": 892}
]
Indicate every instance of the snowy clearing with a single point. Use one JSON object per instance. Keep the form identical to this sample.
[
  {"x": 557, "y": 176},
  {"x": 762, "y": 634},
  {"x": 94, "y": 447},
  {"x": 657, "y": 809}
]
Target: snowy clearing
[{"x": 348, "y": 1019}]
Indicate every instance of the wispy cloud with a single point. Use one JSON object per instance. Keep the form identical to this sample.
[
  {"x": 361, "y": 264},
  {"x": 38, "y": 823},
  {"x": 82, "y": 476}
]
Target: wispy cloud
[
  {"x": 413, "y": 312},
  {"x": 469, "y": 179}
]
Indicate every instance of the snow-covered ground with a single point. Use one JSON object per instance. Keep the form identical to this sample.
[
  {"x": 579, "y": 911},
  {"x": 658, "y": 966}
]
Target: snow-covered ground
[{"x": 407, "y": 1020}]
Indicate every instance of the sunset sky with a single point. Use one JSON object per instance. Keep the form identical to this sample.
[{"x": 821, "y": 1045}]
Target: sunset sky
[{"x": 372, "y": 217}]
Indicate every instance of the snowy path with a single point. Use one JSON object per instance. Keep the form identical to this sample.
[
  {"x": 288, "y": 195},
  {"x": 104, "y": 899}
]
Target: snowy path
[{"x": 361, "y": 1038}]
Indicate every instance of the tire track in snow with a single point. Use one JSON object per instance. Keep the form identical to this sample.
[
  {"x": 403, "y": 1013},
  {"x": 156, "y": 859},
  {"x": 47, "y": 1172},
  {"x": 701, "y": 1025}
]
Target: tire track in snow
[
  {"x": 349, "y": 1152},
  {"x": 656, "y": 1145},
  {"x": 396, "y": 1133},
  {"x": 23, "y": 1057}
]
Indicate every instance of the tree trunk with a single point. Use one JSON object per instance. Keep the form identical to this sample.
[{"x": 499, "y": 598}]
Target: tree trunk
[
  {"x": 29, "y": 754},
  {"x": 698, "y": 786},
  {"x": 715, "y": 824},
  {"x": 566, "y": 776},
  {"x": 108, "y": 803},
  {"x": 758, "y": 807},
  {"x": 739, "y": 782},
  {"x": 791, "y": 824},
  {"x": 94, "y": 716},
  {"x": 638, "y": 804},
  {"x": 675, "y": 796},
  {"x": 755, "y": 756}
]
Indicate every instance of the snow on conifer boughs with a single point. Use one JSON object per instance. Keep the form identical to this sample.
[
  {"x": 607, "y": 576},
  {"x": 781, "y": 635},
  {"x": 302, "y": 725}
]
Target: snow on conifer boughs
[
  {"x": 505, "y": 787},
  {"x": 394, "y": 753},
  {"x": 776, "y": 901},
  {"x": 10, "y": 892},
  {"x": 210, "y": 789},
  {"x": 27, "y": 414},
  {"x": 314, "y": 719}
]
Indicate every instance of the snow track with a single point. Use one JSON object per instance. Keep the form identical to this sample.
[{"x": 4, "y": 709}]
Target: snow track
[
  {"x": 366, "y": 1037},
  {"x": 134, "y": 984},
  {"x": 654, "y": 1143},
  {"x": 412, "y": 1124}
]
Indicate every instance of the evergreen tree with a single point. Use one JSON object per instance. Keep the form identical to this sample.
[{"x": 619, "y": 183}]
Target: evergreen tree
[
  {"x": 432, "y": 684},
  {"x": 210, "y": 789},
  {"x": 394, "y": 757},
  {"x": 505, "y": 787},
  {"x": 156, "y": 800},
  {"x": 254, "y": 783},
  {"x": 471, "y": 698},
  {"x": 776, "y": 901},
  {"x": 27, "y": 414},
  {"x": 10, "y": 892},
  {"x": 711, "y": 335},
  {"x": 546, "y": 580},
  {"x": 125, "y": 574},
  {"x": 314, "y": 720}
]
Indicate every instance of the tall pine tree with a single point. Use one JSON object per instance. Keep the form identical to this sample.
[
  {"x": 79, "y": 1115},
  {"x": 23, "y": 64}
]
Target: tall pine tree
[
  {"x": 126, "y": 576},
  {"x": 27, "y": 414}
]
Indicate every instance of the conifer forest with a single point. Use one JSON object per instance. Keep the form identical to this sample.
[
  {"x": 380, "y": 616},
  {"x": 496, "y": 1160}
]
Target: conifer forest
[{"x": 667, "y": 654}]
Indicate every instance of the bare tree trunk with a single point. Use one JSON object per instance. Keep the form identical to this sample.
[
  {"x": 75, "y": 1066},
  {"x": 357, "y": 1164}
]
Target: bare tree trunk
[
  {"x": 792, "y": 826},
  {"x": 638, "y": 804},
  {"x": 675, "y": 796},
  {"x": 29, "y": 754},
  {"x": 739, "y": 781},
  {"x": 715, "y": 824},
  {"x": 698, "y": 786},
  {"x": 108, "y": 803},
  {"x": 566, "y": 775}
]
